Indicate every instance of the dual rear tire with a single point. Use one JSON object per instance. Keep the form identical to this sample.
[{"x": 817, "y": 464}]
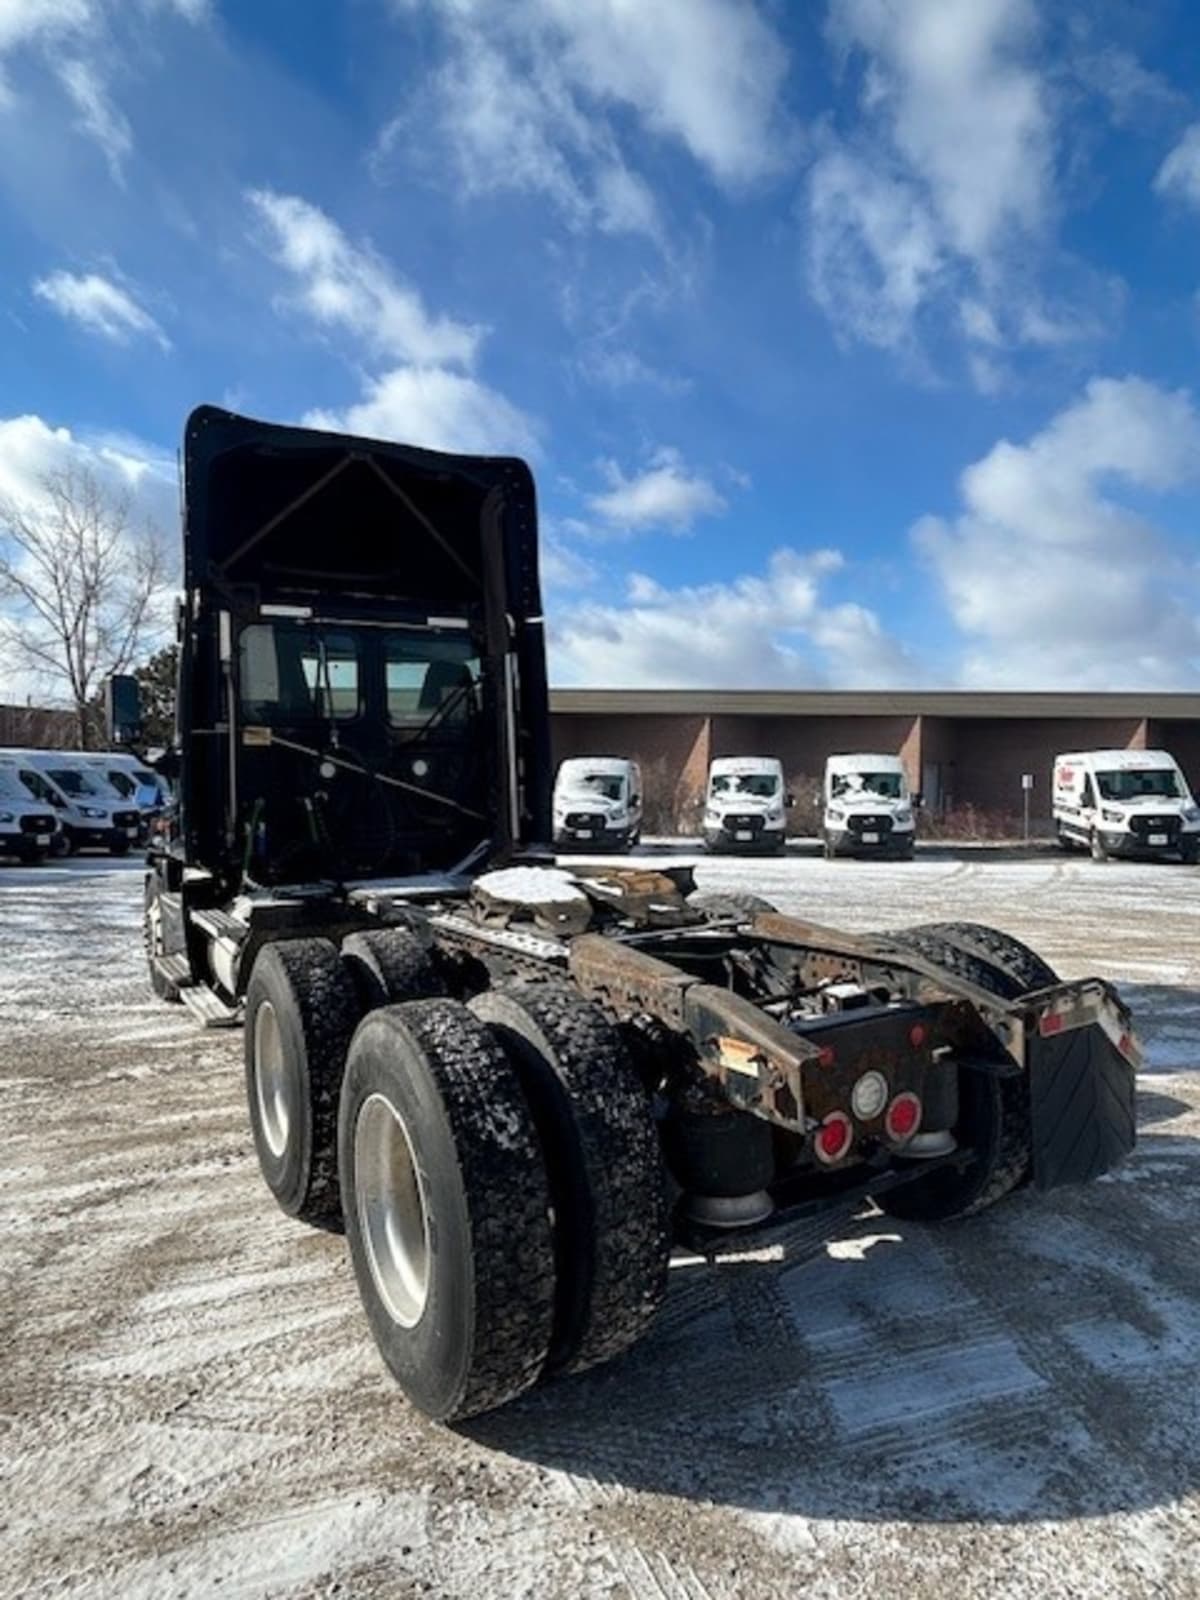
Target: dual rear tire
[{"x": 495, "y": 1167}]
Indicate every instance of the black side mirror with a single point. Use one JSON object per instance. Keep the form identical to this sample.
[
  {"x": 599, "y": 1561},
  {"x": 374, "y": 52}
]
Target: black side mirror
[
  {"x": 123, "y": 708},
  {"x": 789, "y": 801},
  {"x": 918, "y": 801}
]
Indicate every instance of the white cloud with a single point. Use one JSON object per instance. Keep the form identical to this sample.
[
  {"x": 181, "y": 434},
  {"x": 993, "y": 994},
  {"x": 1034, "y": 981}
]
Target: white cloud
[
  {"x": 350, "y": 286},
  {"x": 100, "y": 306},
  {"x": 756, "y": 631},
  {"x": 80, "y": 42},
  {"x": 526, "y": 96},
  {"x": 945, "y": 190},
  {"x": 874, "y": 250},
  {"x": 1057, "y": 582},
  {"x": 99, "y": 118},
  {"x": 665, "y": 495},
  {"x": 437, "y": 409},
  {"x": 1179, "y": 175},
  {"x": 31, "y": 449}
]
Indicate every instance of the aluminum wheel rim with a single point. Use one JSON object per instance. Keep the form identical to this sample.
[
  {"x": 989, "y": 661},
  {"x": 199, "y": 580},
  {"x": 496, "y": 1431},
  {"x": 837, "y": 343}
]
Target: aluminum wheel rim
[
  {"x": 272, "y": 1085},
  {"x": 392, "y": 1218}
]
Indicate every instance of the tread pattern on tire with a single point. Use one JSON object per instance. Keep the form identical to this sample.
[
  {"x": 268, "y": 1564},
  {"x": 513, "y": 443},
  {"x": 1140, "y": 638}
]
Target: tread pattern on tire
[
  {"x": 507, "y": 1198},
  {"x": 389, "y": 965},
  {"x": 607, "y": 1170},
  {"x": 1023, "y": 965},
  {"x": 328, "y": 1010}
]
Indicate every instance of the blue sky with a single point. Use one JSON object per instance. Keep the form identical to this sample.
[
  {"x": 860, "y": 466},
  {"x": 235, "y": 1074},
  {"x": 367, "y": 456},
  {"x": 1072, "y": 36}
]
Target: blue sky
[{"x": 852, "y": 342}]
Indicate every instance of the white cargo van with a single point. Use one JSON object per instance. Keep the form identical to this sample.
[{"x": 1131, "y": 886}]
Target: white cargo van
[
  {"x": 90, "y": 811},
  {"x": 867, "y": 808},
  {"x": 597, "y": 803},
  {"x": 1125, "y": 802},
  {"x": 745, "y": 806},
  {"x": 131, "y": 778},
  {"x": 28, "y": 829}
]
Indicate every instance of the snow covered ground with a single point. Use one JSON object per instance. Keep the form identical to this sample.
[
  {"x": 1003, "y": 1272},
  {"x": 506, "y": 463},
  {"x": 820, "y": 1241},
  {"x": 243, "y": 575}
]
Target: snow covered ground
[{"x": 191, "y": 1404}]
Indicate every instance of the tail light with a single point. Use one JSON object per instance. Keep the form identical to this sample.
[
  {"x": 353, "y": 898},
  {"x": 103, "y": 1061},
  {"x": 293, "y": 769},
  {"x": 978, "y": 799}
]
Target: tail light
[
  {"x": 834, "y": 1137},
  {"x": 903, "y": 1118}
]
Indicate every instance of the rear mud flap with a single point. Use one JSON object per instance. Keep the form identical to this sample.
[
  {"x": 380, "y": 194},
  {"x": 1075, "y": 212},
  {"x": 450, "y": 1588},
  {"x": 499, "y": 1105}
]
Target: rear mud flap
[{"x": 1082, "y": 1112}]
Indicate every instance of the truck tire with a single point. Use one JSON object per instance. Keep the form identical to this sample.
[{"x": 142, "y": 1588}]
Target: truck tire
[
  {"x": 164, "y": 988},
  {"x": 994, "y": 1118},
  {"x": 983, "y": 972},
  {"x": 993, "y": 1107},
  {"x": 1023, "y": 965},
  {"x": 447, "y": 1208},
  {"x": 607, "y": 1180},
  {"x": 1097, "y": 845},
  {"x": 728, "y": 903},
  {"x": 118, "y": 847},
  {"x": 1189, "y": 852},
  {"x": 301, "y": 1011},
  {"x": 389, "y": 965}
]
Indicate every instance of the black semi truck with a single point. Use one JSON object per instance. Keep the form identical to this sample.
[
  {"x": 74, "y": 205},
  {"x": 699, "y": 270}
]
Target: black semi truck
[{"x": 514, "y": 1086}]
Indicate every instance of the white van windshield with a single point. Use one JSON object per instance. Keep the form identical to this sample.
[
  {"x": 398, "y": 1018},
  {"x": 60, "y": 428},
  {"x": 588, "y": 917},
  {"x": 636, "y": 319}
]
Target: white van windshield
[
  {"x": 74, "y": 783},
  {"x": 763, "y": 784},
  {"x": 608, "y": 784},
  {"x": 1162, "y": 783},
  {"x": 888, "y": 785}
]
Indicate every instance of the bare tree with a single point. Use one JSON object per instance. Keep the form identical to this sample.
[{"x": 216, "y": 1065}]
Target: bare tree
[{"x": 82, "y": 584}]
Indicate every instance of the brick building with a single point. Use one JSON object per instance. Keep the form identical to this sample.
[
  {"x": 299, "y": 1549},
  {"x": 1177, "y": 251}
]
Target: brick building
[{"x": 959, "y": 748}]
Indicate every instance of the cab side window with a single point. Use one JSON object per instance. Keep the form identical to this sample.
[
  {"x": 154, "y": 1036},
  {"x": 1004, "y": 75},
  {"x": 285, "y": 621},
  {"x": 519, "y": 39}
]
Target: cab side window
[
  {"x": 39, "y": 788},
  {"x": 1089, "y": 792}
]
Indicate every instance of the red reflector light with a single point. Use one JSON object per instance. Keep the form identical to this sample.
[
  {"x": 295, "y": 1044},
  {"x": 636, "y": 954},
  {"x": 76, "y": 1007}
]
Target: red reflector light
[
  {"x": 903, "y": 1117},
  {"x": 917, "y": 1035},
  {"x": 826, "y": 1057},
  {"x": 1051, "y": 1022},
  {"x": 834, "y": 1137}
]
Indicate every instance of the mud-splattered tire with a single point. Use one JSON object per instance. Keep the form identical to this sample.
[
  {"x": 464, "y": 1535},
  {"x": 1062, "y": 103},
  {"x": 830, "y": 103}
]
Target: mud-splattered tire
[
  {"x": 447, "y": 1208},
  {"x": 301, "y": 1011},
  {"x": 728, "y": 903},
  {"x": 1098, "y": 846},
  {"x": 1023, "y": 965},
  {"x": 389, "y": 965},
  {"x": 601, "y": 1149}
]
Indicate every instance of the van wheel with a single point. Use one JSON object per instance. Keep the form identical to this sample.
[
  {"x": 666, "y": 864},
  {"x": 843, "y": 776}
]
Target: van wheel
[
  {"x": 447, "y": 1208},
  {"x": 119, "y": 847},
  {"x": 1098, "y": 847},
  {"x": 603, "y": 1163},
  {"x": 1064, "y": 841},
  {"x": 1189, "y": 852},
  {"x": 301, "y": 1010}
]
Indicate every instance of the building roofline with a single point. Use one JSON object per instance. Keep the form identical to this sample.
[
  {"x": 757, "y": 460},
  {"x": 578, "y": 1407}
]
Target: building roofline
[{"x": 967, "y": 703}]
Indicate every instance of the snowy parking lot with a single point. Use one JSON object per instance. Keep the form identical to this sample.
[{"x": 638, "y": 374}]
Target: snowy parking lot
[{"x": 191, "y": 1403}]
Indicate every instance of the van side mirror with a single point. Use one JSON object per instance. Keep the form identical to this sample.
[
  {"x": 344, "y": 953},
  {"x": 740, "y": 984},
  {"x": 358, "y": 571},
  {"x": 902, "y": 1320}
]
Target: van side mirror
[
  {"x": 122, "y": 708},
  {"x": 918, "y": 801},
  {"x": 789, "y": 800},
  {"x": 635, "y": 801}
]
